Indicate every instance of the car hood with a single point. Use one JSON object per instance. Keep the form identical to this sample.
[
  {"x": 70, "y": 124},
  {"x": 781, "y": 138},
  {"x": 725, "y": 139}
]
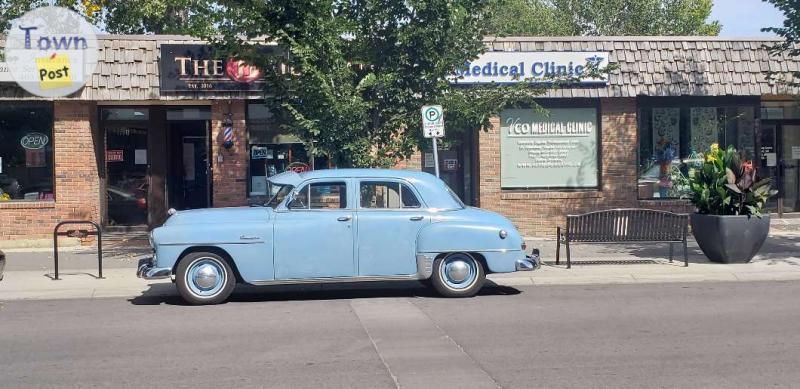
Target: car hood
[{"x": 220, "y": 215}]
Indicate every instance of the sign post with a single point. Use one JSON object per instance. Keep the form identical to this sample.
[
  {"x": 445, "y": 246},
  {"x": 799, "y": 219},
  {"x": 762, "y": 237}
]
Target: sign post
[{"x": 433, "y": 127}]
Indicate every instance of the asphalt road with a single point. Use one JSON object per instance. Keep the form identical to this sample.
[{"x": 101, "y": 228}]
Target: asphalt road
[{"x": 658, "y": 335}]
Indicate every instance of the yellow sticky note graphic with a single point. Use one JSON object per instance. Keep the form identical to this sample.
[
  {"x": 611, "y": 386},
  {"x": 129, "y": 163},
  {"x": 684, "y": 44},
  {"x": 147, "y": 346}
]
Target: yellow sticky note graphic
[{"x": 54, "y": 72}]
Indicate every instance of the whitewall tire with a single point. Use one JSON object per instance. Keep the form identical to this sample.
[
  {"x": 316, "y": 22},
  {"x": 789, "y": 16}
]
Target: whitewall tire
[{"x": 204, "y": 278}]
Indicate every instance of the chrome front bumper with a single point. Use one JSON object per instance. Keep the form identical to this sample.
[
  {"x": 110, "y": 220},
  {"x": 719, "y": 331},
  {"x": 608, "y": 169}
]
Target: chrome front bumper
[
  {"x": 530, "y": 263},
  {"x": 148, "y": 271}
]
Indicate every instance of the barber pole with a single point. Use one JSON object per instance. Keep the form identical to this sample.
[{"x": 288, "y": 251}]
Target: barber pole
[{"x": 228, "y": 137}]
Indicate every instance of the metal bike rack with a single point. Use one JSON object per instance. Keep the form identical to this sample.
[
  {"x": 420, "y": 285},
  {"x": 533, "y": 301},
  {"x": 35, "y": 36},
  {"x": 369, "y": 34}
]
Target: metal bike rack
[{"x": 79, "y": 234}]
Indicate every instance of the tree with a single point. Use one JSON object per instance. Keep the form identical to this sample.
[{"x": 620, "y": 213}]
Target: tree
[
  {"x": 602, "y": 17},
  {"x": 128, "y": 16},
  {"x": 189, "y": 17},
  {"x": 790, "y": 31},
  {"x": 360, "y": 70}
]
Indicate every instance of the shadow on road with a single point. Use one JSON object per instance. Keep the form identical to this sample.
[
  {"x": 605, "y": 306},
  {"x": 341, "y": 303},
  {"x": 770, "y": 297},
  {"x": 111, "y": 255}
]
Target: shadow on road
[{"x": 161, "y": 293}]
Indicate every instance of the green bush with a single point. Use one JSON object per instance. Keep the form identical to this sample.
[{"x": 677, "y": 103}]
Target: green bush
[{"x": 725, "y": 184}]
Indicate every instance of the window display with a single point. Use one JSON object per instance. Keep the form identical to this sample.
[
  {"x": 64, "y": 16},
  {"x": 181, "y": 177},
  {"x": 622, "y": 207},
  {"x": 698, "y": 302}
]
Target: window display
[
  {"x": 272, "y": 151},
  {"x": 672, "y": 137},
  {"x": 26, "y": 152}
]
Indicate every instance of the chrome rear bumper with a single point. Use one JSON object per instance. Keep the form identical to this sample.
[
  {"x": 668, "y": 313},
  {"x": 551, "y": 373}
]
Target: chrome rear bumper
[
  {"x": 530, "y": 263},
  {"x": 148, "y": 271}
]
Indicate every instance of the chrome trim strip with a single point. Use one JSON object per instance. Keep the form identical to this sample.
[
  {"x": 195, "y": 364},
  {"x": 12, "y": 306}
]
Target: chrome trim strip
[
  {"x": 210, "y": 243},
  {"x": 327, "y": 280},
  {"x": 474, "y": 251}
]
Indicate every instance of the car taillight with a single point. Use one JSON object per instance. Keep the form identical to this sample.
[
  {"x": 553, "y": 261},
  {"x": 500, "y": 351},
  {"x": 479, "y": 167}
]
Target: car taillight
[
  {"x": 141, "y": 202},
  {"x": 524, "y": 246}
]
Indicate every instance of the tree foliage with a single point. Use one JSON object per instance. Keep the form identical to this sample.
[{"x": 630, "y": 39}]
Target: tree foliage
[
  {"x": 790, "y": 31},
  {"x": 360, "y": 70},
  {"x": 189, "y": 17},
  {"x": 602, "y": 17}
]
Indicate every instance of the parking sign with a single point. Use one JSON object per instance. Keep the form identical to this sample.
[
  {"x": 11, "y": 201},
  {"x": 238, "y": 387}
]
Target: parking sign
[{"x": 433, "y": 121}]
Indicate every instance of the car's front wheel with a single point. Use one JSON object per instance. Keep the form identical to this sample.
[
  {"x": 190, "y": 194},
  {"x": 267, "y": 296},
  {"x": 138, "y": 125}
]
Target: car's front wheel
[
  {"x": 204, "y": 278},
  {"x": 458, "y": 275}
]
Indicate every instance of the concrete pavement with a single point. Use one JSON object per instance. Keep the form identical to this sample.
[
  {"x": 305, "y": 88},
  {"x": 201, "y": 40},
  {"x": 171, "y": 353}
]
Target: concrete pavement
[
  {"x": 29, "y": 274},
  {"x": 677, "y": 335}
]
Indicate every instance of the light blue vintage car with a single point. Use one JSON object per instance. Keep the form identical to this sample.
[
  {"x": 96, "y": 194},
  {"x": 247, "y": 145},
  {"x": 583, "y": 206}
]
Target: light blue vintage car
[{"x": 342, "y": 225}]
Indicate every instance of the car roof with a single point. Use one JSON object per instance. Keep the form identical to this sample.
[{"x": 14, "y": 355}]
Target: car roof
[
  {"x": 293, "y": 177},
  {"x": 429, "y": 186}
]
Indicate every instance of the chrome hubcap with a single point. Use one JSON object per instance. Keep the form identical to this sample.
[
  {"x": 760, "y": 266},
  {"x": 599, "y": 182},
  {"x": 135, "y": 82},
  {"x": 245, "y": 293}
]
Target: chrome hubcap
[
  {"x": 459, "y": 271},
  {"x": 205, "y": 277}
]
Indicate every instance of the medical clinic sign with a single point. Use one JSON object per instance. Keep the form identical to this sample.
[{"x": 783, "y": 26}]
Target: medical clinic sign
[
  {"x": 552, "y": 149},
  {"x": 51, "y": 51},
  {"x": 543, "y": 66}
]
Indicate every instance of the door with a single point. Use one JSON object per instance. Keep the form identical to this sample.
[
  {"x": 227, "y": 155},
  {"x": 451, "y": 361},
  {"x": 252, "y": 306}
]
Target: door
[
  {"x": 189, "y": 165},
  {"x": 127, "y": 181},
  {"x": 314, "y": 236},
  {"x": 790, "y": 167},
  {"x": 390, "y": 217}
]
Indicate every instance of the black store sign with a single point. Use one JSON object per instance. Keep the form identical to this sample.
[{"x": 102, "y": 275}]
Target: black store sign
[{"x": 194, "y": 68}]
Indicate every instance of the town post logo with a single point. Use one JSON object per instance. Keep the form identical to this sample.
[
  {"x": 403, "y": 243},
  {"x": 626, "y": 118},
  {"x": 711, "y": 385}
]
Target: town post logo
[{"x": 51, "y": 51}]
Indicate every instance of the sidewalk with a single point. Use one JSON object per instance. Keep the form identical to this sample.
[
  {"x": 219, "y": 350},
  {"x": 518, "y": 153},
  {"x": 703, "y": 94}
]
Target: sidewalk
[{"x": 29, "y": 274}]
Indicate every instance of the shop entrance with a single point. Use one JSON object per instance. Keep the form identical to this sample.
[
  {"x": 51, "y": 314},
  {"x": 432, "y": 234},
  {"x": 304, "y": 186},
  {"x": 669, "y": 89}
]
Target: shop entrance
[
  {"x": 156, "y": 158},
  {"x": 780, "y": 159},
  {"x": 127, "y": 177},
  {"x": 188, "y": 182},
  {"x": 457, "y": 167}
]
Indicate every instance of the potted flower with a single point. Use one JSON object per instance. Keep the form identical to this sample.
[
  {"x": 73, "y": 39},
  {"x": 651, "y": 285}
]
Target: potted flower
[
  {"x": 665, "y": 153},
  {"x": 728, "y": 226}
]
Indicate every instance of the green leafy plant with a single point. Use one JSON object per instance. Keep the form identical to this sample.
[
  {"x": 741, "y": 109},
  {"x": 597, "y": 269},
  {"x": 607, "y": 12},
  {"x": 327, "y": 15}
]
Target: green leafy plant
[{"x": 725, "y": 184}]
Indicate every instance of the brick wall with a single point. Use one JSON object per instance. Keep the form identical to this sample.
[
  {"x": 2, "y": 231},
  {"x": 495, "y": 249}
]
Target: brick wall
[
  {"x": 230, "y": 175},
  {"x": 537, "y": 213},
  {"x": 77, "y": 186}
]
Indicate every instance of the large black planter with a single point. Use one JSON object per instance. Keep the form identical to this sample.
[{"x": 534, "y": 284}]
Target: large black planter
[{"x": 730, "y": 239}]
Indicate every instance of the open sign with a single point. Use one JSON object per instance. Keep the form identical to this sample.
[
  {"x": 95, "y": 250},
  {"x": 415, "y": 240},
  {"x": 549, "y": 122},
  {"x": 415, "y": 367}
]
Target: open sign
[{"x": 34, "y": 141}]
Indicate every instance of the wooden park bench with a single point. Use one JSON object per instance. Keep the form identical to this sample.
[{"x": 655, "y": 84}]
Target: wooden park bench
[{"x": 624, "y": 226}]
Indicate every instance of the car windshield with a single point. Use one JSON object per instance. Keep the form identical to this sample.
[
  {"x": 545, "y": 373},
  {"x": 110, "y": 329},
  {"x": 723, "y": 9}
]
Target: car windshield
[{"x": 278, "y": 192}]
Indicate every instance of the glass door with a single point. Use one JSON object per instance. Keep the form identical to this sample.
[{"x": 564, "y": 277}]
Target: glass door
[
  {"x": 126, "y": 166},
  {"x": 790, "y": 168}
]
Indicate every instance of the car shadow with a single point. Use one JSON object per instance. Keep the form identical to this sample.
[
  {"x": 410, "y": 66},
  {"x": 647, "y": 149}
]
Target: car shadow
[{"x": 162, "y": 293}]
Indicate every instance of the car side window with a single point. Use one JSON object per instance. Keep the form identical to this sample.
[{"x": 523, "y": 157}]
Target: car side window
[
  {"x": 386, "y": 195},
  {"x": 409, "y": 199},
  {"x": 322, "y": 195}
]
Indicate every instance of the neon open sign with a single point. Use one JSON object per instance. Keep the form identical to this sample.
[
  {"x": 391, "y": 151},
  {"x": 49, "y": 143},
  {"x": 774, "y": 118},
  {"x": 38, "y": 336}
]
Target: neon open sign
[{"x": 34, "y": 141}]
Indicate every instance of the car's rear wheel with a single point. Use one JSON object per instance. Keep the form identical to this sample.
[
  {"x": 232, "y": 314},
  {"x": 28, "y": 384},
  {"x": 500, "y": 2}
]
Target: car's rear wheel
[
  {"x": 458, "y": 275},
  {"x": 204, "y": 278}
]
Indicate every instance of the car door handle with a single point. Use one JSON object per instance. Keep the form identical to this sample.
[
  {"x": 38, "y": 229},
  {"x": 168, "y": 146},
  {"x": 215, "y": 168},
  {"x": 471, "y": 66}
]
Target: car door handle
[
  {"x": 416, "y": 218},
  {"x": 344, "y": 218}
]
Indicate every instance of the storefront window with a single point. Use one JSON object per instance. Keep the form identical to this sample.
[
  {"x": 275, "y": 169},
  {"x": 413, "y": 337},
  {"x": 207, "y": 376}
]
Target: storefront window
[
  {"x": 26, "y": 152},
  {"x": 672, "y": 138},
  {"x": 273, "y": 152}
]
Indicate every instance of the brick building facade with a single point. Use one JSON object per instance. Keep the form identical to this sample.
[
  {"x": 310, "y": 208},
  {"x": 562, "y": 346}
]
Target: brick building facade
[{"x": 126, "y": 145}]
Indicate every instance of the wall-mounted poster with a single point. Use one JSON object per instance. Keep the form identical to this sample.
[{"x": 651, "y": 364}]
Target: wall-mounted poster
[
  {"x": 704, "y": 129},
  {"x": 556, "y": 149},
  {"x": 666, "y": 130}
]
